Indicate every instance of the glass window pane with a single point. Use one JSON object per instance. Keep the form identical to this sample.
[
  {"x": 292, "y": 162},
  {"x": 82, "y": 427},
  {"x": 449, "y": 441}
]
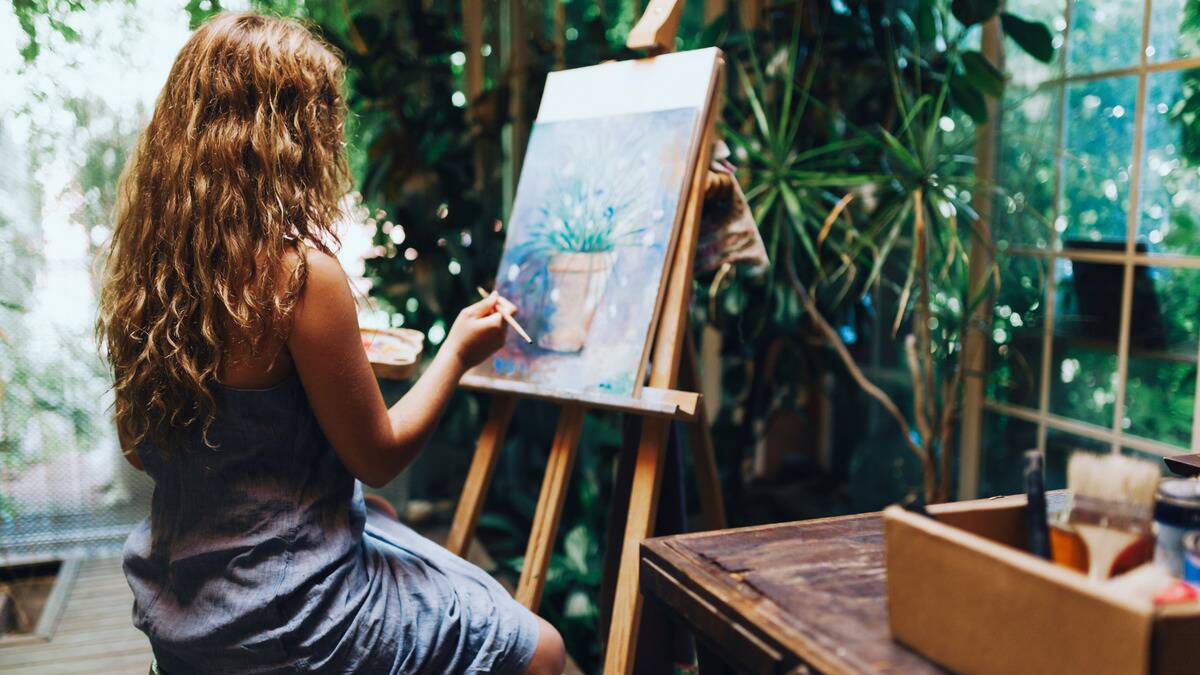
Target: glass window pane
[
  {"x": 1005, "y": 440},
  {"x": 1174, "y": 30},
  {"x": 1097, "y": 160},
  {"x": 1149, "y": 457},
  {"x": 65, "y": 130},
  {"x": 1105, "y": 34},
  {"x": 1161, "y": 385},
  {"x": 1025, "y": 71},
  {"x": 1025, "y": 171},
  {"x": 1170, "y": 197},
  {"x": 1059, "y": 448},
  {"x": 1083, "y": 366},
  {"x": 1015, "y": 361}
]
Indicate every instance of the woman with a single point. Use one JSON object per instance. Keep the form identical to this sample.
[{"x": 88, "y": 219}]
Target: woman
[{"x": 243, "y": 389}]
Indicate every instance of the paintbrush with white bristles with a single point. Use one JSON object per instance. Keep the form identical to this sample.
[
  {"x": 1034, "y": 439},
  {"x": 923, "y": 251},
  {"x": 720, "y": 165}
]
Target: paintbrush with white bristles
[{"x": 1112, "y": 505}]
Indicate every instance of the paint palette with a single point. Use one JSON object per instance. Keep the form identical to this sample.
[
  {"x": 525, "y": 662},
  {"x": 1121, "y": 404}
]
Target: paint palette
[{"x": 393, "y": 352}]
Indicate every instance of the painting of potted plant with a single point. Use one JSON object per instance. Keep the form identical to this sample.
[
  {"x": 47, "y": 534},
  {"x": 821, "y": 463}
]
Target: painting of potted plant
[
  {"x": 586, "y": 247},
  {"x": 582, "y": 225}
]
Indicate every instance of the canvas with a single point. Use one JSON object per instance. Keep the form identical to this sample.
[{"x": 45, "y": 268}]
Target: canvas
[{"x": 594, "y": 221}]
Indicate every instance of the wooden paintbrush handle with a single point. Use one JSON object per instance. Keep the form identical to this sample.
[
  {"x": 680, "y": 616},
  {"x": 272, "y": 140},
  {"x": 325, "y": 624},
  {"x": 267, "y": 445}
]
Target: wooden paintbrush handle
[{"x": 1104, "y": 545}]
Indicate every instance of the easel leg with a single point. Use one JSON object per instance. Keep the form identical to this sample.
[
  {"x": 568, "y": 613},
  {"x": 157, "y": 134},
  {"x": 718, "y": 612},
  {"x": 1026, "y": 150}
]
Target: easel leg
[
  {"x": 549, "y": 507},
  {"x": 704, "y": 457},
  {"x": 657, "y": 630},
  {"x": 662, "y": 640},
  {"x": 618, "y": 514},
  {"x": 479, "y": 477},
  {"x": 643, "y": 504}
]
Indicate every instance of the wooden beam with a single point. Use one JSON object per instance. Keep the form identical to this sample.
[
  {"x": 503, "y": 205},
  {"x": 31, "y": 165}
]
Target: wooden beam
[
  {"x": 750, "y": 13},
  {"x": 713, "y": 9},
  {"x": 472, "y": 28},
  {"x": 978, "y": 331},
  {"x": 513, "y": 62},
  {"x": 655, "y": 32},
  {"x": 560, "y": 34}
]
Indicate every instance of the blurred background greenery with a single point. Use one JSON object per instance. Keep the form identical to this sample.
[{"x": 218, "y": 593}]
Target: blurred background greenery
[{"x": 1043, "y": 203}]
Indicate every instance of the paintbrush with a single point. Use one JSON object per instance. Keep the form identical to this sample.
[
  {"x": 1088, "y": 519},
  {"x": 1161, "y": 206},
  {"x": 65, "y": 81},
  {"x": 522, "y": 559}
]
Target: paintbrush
[
  {"x": 1112, "y": 505},
  {"x": 511, "y": 321}
]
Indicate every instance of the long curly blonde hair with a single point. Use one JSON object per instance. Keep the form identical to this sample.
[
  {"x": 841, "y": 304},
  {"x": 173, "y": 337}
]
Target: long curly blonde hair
[{"x": 242, "y": 163}]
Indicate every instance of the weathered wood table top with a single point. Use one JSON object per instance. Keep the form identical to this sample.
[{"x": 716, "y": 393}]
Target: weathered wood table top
[{"x": 785, "y": 598}]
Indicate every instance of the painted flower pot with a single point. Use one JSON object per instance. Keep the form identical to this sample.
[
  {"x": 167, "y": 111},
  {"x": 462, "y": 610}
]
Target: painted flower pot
[{"x": 576, "y": 284}]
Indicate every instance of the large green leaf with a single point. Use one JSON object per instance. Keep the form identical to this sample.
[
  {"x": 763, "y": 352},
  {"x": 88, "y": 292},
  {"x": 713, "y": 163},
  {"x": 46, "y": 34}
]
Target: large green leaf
[
  {"x": 577, "y": 545},
  {"x": 1032, "y": 36},
  {"x": 796, "y": 215},
  {"x": 760, "y": 116},
  {"x": 495, "y": 521},
  {"x": 901, "y": 153},
  {"x": 927, "y": 21},
  {"x": 971, "y": 12},
  {"x": 983, "y": 75},
  {"x": 968, "y": 98}
]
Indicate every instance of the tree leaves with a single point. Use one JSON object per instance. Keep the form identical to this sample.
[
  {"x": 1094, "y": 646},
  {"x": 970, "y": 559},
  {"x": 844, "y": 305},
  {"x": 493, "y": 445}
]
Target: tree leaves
[
  {"x": 971, "y": 12},
  {"x": 927, "y": 21},
  {"x": 26, "y": 12},
  {"x": 968, "y": 98},
  {"x": 1034, "y": 37},
  {"x": 983, "y": 75}
]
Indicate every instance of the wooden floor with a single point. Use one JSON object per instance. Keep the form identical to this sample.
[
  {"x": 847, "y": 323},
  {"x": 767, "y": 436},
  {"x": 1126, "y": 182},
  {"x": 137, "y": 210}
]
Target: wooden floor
[{"x": 95, "y": 634}]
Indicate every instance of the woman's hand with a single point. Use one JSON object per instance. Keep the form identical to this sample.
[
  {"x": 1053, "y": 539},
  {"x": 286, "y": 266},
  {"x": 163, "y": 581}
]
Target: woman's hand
[{"x": 479, "y": 330}]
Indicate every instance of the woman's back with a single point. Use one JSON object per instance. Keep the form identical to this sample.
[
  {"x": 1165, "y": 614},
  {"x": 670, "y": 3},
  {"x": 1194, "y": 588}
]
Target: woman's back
[
  {"x": 246, "y": 536},
  {"x": 259, "y": 556}
]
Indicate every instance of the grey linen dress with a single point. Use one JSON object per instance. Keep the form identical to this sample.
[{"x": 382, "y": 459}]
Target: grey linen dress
[{"x": 260, "y": 557}]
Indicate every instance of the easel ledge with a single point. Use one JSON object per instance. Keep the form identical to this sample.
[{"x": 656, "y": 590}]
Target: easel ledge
[{"x": 654, "y": 402}]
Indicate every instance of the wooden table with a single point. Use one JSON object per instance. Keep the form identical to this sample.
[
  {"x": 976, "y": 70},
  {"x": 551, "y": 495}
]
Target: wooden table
[{"x": 789, "y": 598}]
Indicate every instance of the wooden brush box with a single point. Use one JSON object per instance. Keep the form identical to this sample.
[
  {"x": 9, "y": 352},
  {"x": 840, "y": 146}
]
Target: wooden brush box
[{"x": 963, "y": 592}]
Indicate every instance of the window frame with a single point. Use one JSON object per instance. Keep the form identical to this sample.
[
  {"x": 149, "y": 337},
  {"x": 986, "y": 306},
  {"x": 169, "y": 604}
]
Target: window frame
[{"x": 976, "y": 401}]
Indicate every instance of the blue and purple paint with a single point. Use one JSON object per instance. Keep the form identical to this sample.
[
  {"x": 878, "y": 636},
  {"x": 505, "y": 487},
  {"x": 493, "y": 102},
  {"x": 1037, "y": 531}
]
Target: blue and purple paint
[{"x": 594, "y": 218}]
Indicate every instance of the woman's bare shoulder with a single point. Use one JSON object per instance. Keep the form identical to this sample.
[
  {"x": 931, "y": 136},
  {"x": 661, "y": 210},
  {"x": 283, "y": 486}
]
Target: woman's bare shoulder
[
  {"x": 325, "y": 282},
  {"x": 326, "y": 304}
]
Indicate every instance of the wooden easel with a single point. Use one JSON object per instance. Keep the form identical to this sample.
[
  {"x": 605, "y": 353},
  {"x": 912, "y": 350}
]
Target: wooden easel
[{"x": 673, "y": 356}]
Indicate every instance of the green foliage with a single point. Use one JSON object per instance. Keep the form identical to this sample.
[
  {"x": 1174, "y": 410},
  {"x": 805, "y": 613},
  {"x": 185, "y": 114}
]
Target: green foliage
[
  {"x": 57, "y": 13},
  {"x": 50, "y": 385},
  {"x": 1032, "y": 36},
  {"x": 987, "y": 78},
  {"x": 872, "y": 204},
  {"x": 201, "y": 10},
  {"x": 971, "y": 12},
  {"x": 1186, "y": 112}
]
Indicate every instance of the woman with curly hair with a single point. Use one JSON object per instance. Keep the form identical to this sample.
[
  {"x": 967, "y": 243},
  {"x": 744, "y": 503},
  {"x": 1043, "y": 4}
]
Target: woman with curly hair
[{"x": 243, "y": 389}]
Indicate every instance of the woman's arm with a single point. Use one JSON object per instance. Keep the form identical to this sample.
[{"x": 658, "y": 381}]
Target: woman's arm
[{"x": 373, "y": 442}]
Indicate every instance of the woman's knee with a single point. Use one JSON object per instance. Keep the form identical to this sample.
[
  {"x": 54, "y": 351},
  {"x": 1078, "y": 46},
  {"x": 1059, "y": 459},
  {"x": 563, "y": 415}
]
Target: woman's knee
[{"x": 550, "y": 656}]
